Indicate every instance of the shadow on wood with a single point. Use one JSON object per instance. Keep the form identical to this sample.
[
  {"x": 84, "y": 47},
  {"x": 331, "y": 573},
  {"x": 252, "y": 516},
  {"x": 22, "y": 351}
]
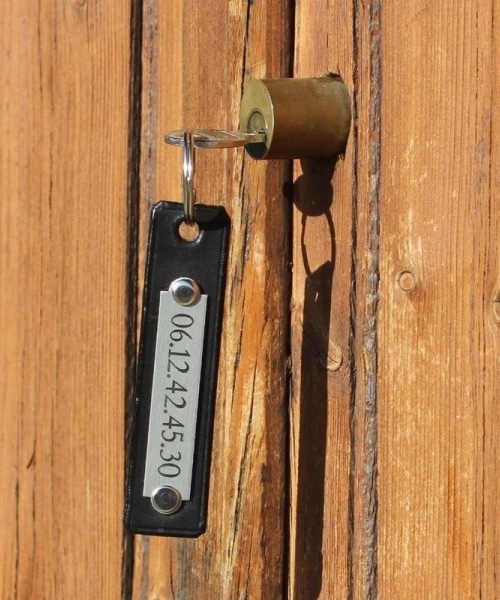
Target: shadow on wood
[{"x": 313, "y": 196}]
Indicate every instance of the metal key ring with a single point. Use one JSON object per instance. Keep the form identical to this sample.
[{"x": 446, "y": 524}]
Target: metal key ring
[{"x": 188, "y": 191}]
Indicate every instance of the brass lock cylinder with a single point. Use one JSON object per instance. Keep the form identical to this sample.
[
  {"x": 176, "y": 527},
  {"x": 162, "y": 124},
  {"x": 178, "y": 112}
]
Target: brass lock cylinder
[{"x": 302, "y": 118}]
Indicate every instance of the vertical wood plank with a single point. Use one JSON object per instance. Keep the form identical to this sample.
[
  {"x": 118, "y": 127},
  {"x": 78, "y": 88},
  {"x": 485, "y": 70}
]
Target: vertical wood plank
[
  {"x": 439, "y": 346},
  {"x": 63, "y": 227},
  {"x": 198, "y": 58},
  {"x": 333, "y": 420}
]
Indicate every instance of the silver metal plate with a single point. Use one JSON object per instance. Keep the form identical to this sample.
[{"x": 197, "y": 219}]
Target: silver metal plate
[{"x": 175, "y": 394}]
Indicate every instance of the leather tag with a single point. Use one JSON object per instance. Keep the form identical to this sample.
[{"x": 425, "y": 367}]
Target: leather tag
[{"x": 203, "y": 261}]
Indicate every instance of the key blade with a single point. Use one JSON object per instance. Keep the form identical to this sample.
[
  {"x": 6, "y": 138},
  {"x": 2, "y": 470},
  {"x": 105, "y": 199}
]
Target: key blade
[{"x": 216, "y": 138}]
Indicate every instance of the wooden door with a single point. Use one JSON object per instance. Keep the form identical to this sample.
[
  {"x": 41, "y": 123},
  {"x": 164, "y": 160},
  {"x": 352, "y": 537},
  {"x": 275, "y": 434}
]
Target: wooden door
[{"x": 355, "y": 452}]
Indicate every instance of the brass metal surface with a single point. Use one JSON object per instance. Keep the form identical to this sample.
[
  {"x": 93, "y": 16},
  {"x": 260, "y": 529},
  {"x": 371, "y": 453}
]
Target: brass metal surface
[{"x": 302, "y": 118}]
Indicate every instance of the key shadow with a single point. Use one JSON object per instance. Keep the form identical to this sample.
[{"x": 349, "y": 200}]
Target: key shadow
[{"x": 313, "y": 196}]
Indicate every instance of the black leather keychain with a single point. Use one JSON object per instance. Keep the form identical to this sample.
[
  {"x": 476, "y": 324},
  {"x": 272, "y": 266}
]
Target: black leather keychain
[{"x": 167, "y": 488}]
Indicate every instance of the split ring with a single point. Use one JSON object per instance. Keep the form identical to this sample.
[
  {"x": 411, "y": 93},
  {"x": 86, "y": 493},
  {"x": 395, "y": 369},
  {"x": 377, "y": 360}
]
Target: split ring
[{"x": 188, "y": 191}]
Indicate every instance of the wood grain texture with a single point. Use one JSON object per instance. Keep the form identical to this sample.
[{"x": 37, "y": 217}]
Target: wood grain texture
[
  {"x": 411, "y": 414},
  {"x": 198, "y": 56},
  {"x": 439, "y": 344},
  {"x": 395, "y": 308},
  {"x": 365, "y": 395},
  {"x": 334, "y": 321},
  {"x": 63, "y": 177},
  {"x": 320, "y": 527}
]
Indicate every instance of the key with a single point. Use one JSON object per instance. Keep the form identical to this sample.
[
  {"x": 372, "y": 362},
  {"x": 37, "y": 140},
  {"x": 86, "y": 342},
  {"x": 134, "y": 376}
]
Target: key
[{"x": 216, "y": 138}]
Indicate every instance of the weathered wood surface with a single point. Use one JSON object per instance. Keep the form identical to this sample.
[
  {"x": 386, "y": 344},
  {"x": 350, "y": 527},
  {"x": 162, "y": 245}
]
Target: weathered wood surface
[
  {"x": 403, "y": 431},
  {"x": 321, "y": 331},
  {"x": 63, "y": 229},
  {"x": 438, "y": 334},
  {"x": 394, "y": 298},
  {"x": 197, "y": 58}
]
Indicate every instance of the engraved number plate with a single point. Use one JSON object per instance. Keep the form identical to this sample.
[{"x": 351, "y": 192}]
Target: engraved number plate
[{"x": 174, "y": 398}]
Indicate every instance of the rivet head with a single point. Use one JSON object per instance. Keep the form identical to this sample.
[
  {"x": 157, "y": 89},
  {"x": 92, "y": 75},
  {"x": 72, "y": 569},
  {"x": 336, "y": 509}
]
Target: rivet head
[
  {"x": 166, "y": 500},
  {"x": 185, "y": 291}
]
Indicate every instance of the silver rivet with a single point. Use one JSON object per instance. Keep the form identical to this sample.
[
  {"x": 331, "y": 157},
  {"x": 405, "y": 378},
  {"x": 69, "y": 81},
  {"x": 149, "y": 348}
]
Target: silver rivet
[
  {"x": 166, "y": 500},
  {"x": 185, "y": 291}
]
